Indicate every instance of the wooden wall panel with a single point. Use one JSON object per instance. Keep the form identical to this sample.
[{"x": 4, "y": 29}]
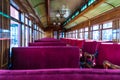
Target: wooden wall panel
[
  {"x": 49, "y": 34},
  {"x": 4, "y": 25}
]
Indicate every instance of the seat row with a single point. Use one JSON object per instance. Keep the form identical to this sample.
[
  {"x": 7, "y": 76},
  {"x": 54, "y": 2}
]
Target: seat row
[
  {"x": 92, "y": 54},
  {"x": 96, "y": 53},
  {"x": 60, "y": 74},
  {"x": 51, "y": 53},
  {"x": 64, "y": 60}
]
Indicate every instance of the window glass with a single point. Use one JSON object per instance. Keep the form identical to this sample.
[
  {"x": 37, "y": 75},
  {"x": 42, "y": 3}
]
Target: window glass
[
  {"x": 107, "y": 34},
  {"x": 23, "y": 35},
  {"x": 14, "y": 13},
  {"x": 15, "y": 34},
  {"x": 114, "y": 34},
  {"x": 107, "y": 25},
  {"x": 26, "y": 36},
  {"x": 22, "y": 18},
  {"x": 86, "y": 29},
  {"x": 86, "y": 35},
  {"x": 82, "y": 30},
  {"x": 81, "y": 36},
  {"x": 95, "y": 35},
  {"x": 73, "y": 16},
  {"x": 30, "y": 23},
  {"x": 76, "y": 33},
  {"x": 84, "y": 7},
  {"x": 90, "y": 2},
  {"x": 26, "y": 20},
  {"x": 95, "y": 27},
  {"x": 77, "y": 13}
]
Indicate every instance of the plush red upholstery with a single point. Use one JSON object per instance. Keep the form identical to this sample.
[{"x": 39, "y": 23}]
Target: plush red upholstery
[
  {"x": 80, "y": 43},
  {"x": 90, "y": 47},
  {"x": 47, "y": 44},
  {"x": 110, "y": 52},
  {"x": 45, "y": 57},
  {"x": 47, "y": 40},
  {"x": 73, "y": 42},
  {"x": 60, "y": 74}
]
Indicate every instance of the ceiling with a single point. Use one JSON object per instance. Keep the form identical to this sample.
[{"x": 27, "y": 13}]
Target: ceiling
[{"x": 45, "y": 11}]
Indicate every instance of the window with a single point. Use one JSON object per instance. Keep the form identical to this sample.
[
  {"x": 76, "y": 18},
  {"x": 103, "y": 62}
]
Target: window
[
  {"x": 90, "y": 2},
  {"x": 30, "y": 23},
  {"x": 14, "y": 13},
  {"x": 114, "y": 34},
  {"x": 84, "y": 7},
  {"x": 86, "y": 33},
  {"x": 81, "y": 31},
  {"x": 23, "y": 35},
  {"x": 26, "y": 21},
  {"x": 107, "y": 35},
  {"x": 26, "y": 36},
  {"x": 72, "y": 17},
  {"x": 107, "y": 25},
  {"x": 22, "y": 18},
  {"x": 77, "y": 13},
  {"x": 15, "y": 34},
  {"x": 95, "y": 27},
  {"x": 95, "y": 35},
  {"x": 107, "y": 31},
  {"x": 76, "y": 34},
  {"x": 96, "y": 32}
]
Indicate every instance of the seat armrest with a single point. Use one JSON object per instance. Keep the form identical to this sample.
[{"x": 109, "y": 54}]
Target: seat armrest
[{"x": 107, "y": 65}]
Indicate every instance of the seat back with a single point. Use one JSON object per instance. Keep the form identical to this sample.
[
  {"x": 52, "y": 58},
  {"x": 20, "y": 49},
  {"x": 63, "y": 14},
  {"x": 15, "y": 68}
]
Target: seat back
[
  {"x": 47, "y": 40},
  {"x": 47, "y": 44},
  {"x": 110, "y": 52},
  {"x": 80, "y": 43},
  {"x": 90, "y": 47},
  {"x": 45, "y": 57}
]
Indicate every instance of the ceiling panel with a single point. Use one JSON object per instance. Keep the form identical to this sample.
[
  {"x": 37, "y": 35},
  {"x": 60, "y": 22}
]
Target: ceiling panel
[
  {"x": 40, "y": 9},
  {"x": 81, "y": 19},
  {"x": 115, "y": 3},
  {"x": 36, "y": 2},
  {"x": 99, "y": 10}
]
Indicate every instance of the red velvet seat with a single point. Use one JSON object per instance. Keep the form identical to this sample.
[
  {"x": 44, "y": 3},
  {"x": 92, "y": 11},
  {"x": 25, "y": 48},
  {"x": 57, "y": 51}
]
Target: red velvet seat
[
  {"x": 45, "y": 57},
  {"x": 47, "y": 44},
  {"x": 60, "y": 74},
  {"x": 109, "y": 52},
  {"x": 47, "y": 40}
]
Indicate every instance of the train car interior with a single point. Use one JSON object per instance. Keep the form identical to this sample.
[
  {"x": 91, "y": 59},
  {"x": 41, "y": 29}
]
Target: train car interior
[{"x": 59, "y": 39}]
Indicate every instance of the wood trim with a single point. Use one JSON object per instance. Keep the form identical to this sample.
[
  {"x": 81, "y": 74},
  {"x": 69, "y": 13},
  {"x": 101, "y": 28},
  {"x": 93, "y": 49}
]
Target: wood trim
[
  {"x": 107, "y": 16},
  {"x": 48, "y": 11},
  {"x": 93, "y": 6}
]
